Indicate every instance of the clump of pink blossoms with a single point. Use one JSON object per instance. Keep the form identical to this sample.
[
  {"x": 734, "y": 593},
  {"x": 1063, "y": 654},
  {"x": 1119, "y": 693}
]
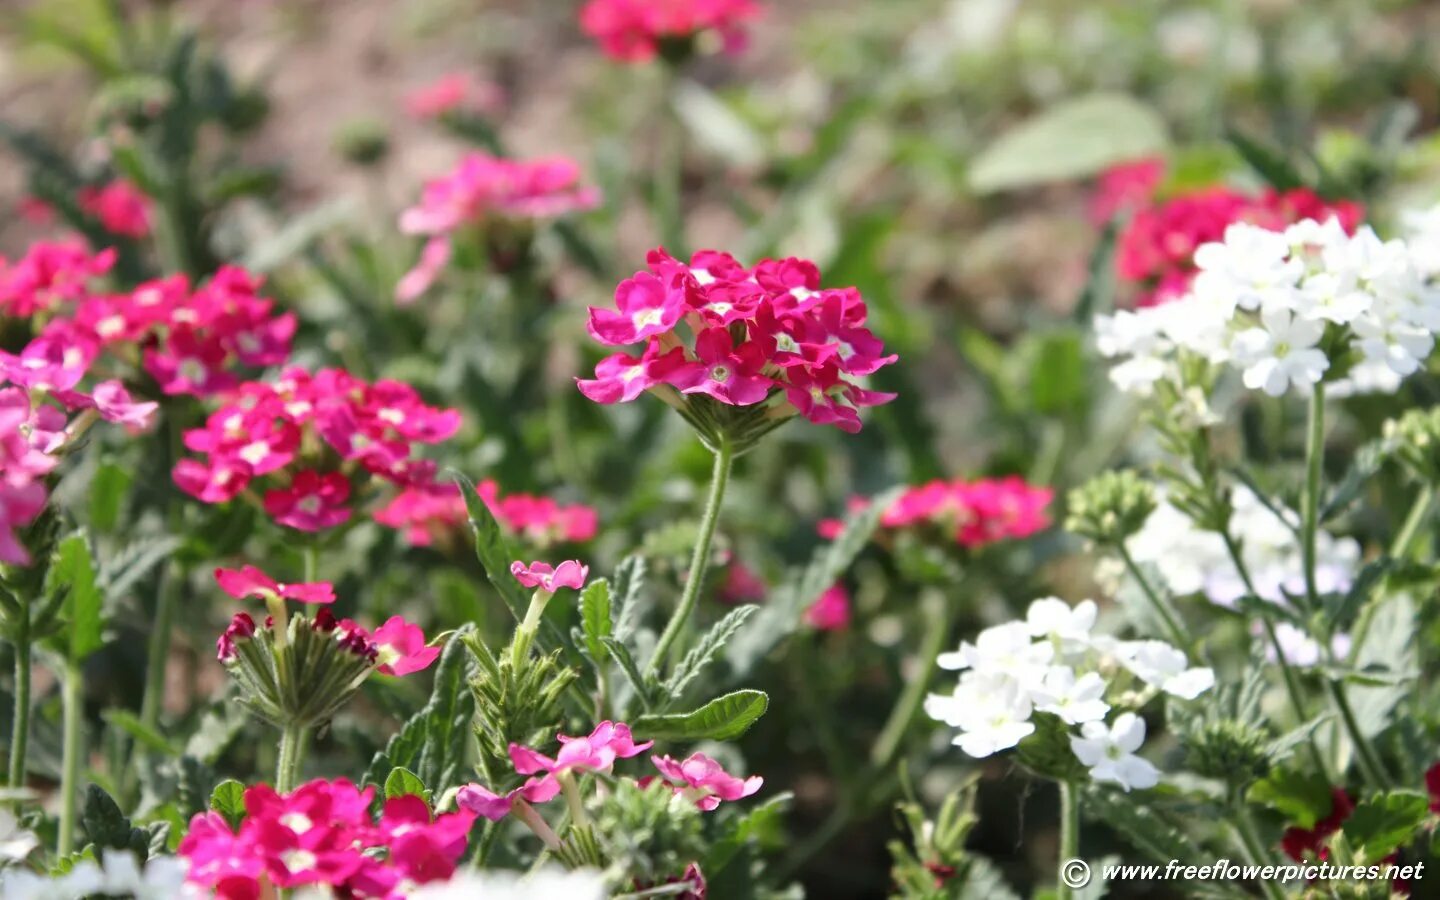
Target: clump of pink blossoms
[
  {"x": 768, "y": 337},
  {"x": 636, "y": 30},
  {"x": 481, "y": 188},
  {"x": 972, "y": 513},
  {"x": 119, "y": 206},
  {"x": 308, "y": 437},
  {"x": 425, "y": 512},
  {"x": 322, "y": 834},
  {"x": 455, "y": 92}
]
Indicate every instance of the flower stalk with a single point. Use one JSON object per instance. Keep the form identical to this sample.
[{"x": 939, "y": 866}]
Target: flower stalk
[
  {"x": 72, "y": 694},
  {"x": 20, "y": 723},
  {"x": 719, "y": 478},
  {"x": 1069, "y": 835},
  {"x": 293, "y": 738}
]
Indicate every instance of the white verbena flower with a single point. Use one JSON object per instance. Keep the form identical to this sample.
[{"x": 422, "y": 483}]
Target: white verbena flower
[
  {"x": 1002, "y": 649},
  {"x": 1054, "y": 619},
  {"x": 1109, "y": 753},
  {"x": 1282, "y": 354},
  {"x": 1162, "y": 666},
  {"x": 992, "y": 713},
  {"x": 120, "y": 875},
  {"x": 1074, "y": 700},
  {"x": 549, "y": 883}
]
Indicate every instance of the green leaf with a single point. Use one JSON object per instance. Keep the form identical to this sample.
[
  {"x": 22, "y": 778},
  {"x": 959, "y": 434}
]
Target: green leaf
[
  {"x": 1140, "y": 826},
  {"x": 1366, "y": 462},
  {"x": 1269, "y": 164},
  {"x": 108, "y": 490},
  {"x": 1341, "y": 609},
  {"x": 644, "y": 690},
  {"x": 1301, "y": 797},
  {"x": 627, "y": 596},
  {"x": 1281, "y": 748},
  {"x": 766, "y": 817},
  {"x": 1058, "y": 373},
  {"x": 434, "y": 743},
  {"x": 706, "y": 650},
  {"x": 596, "y": 614},
  {"x": 1047, "y": 750},
  {"x": 402, "y": 783},
  {"x": 1075, "y": 138},
  {"x": 722, "y": 719},
  {"x": 493, "y": 549},
  {"x": 107, "y": 827},
  {"x": 130, "y": 723},
  {"x": 228, "y": 799},
  {"x": 72, "y": 575},
  {"x": 1385, "y": 823},
  {"x": 716, "y": 126}
]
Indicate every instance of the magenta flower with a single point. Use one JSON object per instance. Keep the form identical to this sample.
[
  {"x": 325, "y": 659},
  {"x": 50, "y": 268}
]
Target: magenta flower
[
  {"x": 595, "y": 752},
  {"x": 830, "y": 611},
  {"x": 19, "y": 506},
  {"x": 621, "y": 378},
  {"x": 484, "y": 802},
  {"x": 249, "y": 581},
  {"x": 434, "y": 257},
  {"x": 120, "y": 208},
  {"x": 241, "y": 627},
  {"x": 218, "y": 482},
  {"x": 729, "y": 375},
  {"x": 313, "y": 501},
  {"x": 53, "y": 362},
  {"x": 402, "y": 648},
  {"x": 631, "y": 30},
  {"x": 645, "y": 306},
  {"x": 571, "y": 573},
  {"x": 188, "y": 363},
  {"x": 702, "y": 780}
]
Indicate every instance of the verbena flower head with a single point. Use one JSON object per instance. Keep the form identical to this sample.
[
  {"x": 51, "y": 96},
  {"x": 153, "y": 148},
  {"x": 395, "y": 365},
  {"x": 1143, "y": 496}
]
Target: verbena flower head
[
  {"x": 1052, "y": 663},
  {"x": 323, "y": 835},
  {"x": 483, "y": 188},
  {"x": 428, "y": 512},
  {"x": 1286, "y": 310},
  {"x": 309, "y": 439},
  {"x": 738, "y": 350},
  {"x": 703, "y": 781},
  {"x": 455, "y": 92},
  {"x": 637, "y": 30},
  {"x": 300, "y": 669},
  {"x": 970, "y": 513},
  {"x": 571, "y": 573},
  {"x": 119, "y": 206}
]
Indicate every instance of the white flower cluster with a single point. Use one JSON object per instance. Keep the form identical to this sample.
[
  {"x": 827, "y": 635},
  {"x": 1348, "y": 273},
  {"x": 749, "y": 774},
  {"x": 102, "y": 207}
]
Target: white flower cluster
[
  {"x": 1262, "y": 301},
  {"x": 1192, "y": 561},
  {"x": 549, "y": 883},
  {"x": 120, "y": 875},
  {"x": 1053, "y": 662}
]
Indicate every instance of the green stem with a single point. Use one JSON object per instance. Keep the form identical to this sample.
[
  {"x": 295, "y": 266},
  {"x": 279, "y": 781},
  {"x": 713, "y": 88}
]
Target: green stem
[
  {"x": 937, "y": 631},
  {"x": 312, "y": 560},
  {"x": 525, "y": 633},
  {"x": 1371, "y": 767},
  {"x": 292, "y": 752},
  {"x": 72, "y": 694},
  {"x": 1254, "y": 849},
  {"x": 669, "y": 175},
  {"x": 1069, "y": 835},
  {"x": 20, "y": 727},
  {"x": 719, "y": 477},
  {"x": 1167, "y": 615},
  {"x": 158, "y": 660},
  {"x": 1310, "y": 500},
  {"x": 1420, "y": 510}
]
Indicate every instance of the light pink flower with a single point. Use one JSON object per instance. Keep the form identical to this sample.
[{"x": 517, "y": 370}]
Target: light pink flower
[
  {"x": 702, "y": 780},
  {"x": 434, "y": 257},
  {"x": 454, "y": 92},
  {"x": 570, "y": 573},
  {"x": 402, "y": 648}
]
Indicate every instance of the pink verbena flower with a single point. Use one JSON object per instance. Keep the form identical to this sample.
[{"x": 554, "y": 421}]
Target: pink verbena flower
[
  {"x": 570, "y": 573},
  {"x": 249, "y": 581},
  {"x": 314, "y": 501},
  {"x": 702, "y": 780},
  {"x": 595, "y": 752},
  {"x": 770, "y": 334},
  {"x": 831, "y": 610},
  {"x": 482, "y": 801},
  {"x": 19, "y": 506},
  {"x": 971, "y": 513},
  {"x": 51, "y": 275},
  {"x": 540, "y": 520},
  {"x": 119, "y": 206},
  {"x": 402, "y": 648},
  {"x": 632, "y": 30},
  {"x": 1125, "y": 187}
]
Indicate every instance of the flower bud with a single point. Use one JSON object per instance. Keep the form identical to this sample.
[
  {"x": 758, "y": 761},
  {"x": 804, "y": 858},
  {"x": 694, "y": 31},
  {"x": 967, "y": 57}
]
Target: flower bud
[
  {"x": 1415, "y": 438},
  {"x": 1111, "y": 507}
]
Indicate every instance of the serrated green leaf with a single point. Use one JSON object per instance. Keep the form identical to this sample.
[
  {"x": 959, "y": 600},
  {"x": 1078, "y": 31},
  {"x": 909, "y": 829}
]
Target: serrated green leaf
[
  {"x": 130, "y": 723},
  {"x": 1095, "y": 131},
  {"x": 626, "y": 596},
  {"x": 1140, "y": 826},
  {"x": 1301, "y": 797},
  {"x": 1384, "y": 823},
  {"x": 739, "y": 832},
  {"x": 228, "y": 799},
  {"x": 493, "y": 549},
  {"x": 644, "y": 690},
  {"x": 108, "y": 490},
  {"x": 108, "y": 828},
  {"x": 1269, "y": 164},
  {"x": 722, "y": 719},
  {"x": 72, "y": 575},
  {"x": 595, "y": 613},
  {"x": 706, "y": 650},
  {"x": 402, "y": 783}
]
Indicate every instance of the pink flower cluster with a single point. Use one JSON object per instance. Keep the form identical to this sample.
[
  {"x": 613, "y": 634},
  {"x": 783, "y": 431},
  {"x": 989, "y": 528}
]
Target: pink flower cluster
[
  {"x": 481, "y": 187},
  {"x": 323, "y": 834},
  {"x": 755, "y": 332},
  {"x": 1157, "y": 248},
  {"x": 974, "y": 513},
  {"x": 308, "y": 435},
  {"x": 698, "y": 778},
  {"x": 119, "y": 206},
  {"x": 396, "y": 648},
  {"x": 425, "y": 511},
  {"x": 829, "y": 612},
  {"x": 633, "y": 30},
  {"x": 1125, "y": 188}
]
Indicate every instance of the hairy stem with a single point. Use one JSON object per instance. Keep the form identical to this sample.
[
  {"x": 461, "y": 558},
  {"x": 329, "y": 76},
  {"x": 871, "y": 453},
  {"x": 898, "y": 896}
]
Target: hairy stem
[
  {"x": 158, "y": 654},
  {"x": 1174, "y": 630},
  {"x": 1254, "y": 849},
  {"x": 1069, "y": 835},
  {"x": 20, "y": 723},
  {"x": 938, "y": 625},
  {"x": 292, "y": 753},
  {"x": 72, "y": 695},
  {"x": 719, "y": 477}
]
